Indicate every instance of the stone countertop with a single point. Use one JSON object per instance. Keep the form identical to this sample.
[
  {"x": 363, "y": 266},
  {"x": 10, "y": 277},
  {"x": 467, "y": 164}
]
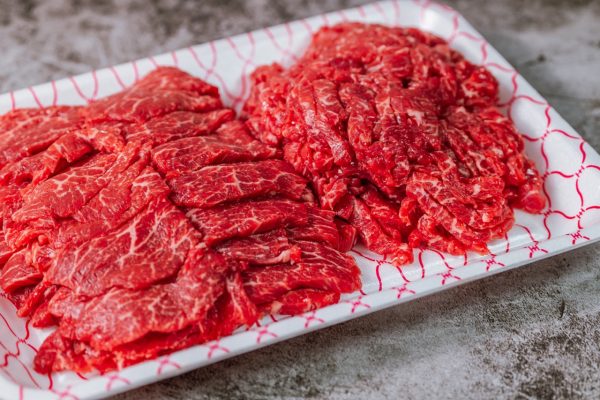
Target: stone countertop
[{"x": 527, "y": 333}]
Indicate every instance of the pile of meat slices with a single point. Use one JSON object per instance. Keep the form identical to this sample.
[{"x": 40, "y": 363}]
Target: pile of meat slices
[
  {"x": 400, "y": 136},
  {"x": 151, "y": 220}
]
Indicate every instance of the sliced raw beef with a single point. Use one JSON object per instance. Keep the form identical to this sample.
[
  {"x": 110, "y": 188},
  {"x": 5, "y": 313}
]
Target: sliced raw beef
[
  {"x": 26, "y": 132},
  {"x": 37, "y": 168},
  {"x": 122, "y": 199},
  {"x": 161, "y": 308},
  {"x": 320, "y": 228},
  {"x": 37, "y": 295},
  {"x": 152, "y": 220},
  {"x": 214, "y": 185},
  {"x": 5, "y": 251},
  {"x": 191, "y": 154},
  {"x": 58, "y": 197},
  {"x": 64, "y": 304},
  {"x": 272, "y": 247},
  {"x": 159, "y": 319},
  {"x": 150, "y": 248},
  {"x": 59, "y": 353},
  {"x": 117, "y": 203},
  {"x": 301, "y": 301},
  {"x": 244, "y": 219},
  {"x": 18, "y": 272},
  {"x": 163, "y": 91},
  {"x": 374, "y": 237},
  {"x": 178, "y": 125},
  {"x": 232, "y": 310},
  {"x": 18, "y": 297},
  {"x": 64, "y": 194},
  {"x": 41, "y": 317},
  {"x": 348, "y": 235},
  {"x": 428, "y": 233},
  {"x": 320, "y": 267},
  {"x": 171, "y": 78},
  {"x": 386, "y": 215},
  {"x": 395, "y": 124}
]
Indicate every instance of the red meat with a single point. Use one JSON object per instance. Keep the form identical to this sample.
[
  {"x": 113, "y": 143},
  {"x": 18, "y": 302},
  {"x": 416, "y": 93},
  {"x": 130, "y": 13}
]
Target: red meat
[
  {"x": 272, "y": 247},
  {"x": 18, "y": 272},
  {"x": 244, "y": 219},
  {"x": 96, "y": 236},
  {"x": 150, "y": 248},
  {"x": 400, "y": 135},
  {"x": 177, "y": 125},
  {"x": 64, "y": 194},
  {"x": 301, "y": 301},
  {"x": 320, "y": 267},
  {"x": 163, "y": 91},
  {"x": 26, "y": 132},
  {"x": 191, "y": 154},
  {"x": 236, "y": 182}
]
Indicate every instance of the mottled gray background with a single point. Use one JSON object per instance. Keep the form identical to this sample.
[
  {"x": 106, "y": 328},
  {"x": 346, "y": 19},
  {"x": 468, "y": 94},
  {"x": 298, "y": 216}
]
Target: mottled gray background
[{"x": 530, "y": 333}]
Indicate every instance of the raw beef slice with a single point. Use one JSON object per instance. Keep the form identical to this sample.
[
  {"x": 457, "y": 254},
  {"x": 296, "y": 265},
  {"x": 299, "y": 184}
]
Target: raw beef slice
[
  {"x": 400, "y": 136},
  {"x": 152, "y": 220}
]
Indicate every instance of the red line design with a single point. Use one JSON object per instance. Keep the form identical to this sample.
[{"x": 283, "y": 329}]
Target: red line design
[
  {"x": 8, "y": 326},
  {"x": 113, "y": 378},
  {"x": 307, "y": 26},
  {"x": 54, "y": 93},
  {"x": 166, "y": 362},
  {"x": 421, "y": 263},
  {"x": 214, "y": 347},
  {"x": 96, "y": 86},
  {"x": 357, "y": 303},
  {"x": 264, "y": 331},
  {"x": 400, "y": 291},
  {"x": 378, "y": 274},
  {"x": 65, "y": 394},
  {"x": 35, "y": 97},
  {"x": 396, "y": 6},
  {"x": 576, "y": 236},
  {"x": 9, "y": 376},
  {"x": 404, "y": 278},
  {"x": 446, "y": 276},
  {"x": 377, "y": 7},
  {"x": 233, "y": 97},
  {"x": 312, "y": 317},
  {"x": 361, "y": 11},
  {"x": 118, "y": 77},
  {"x": 153, "y": 61},
  {"x": 286, "y": 53},
  {"x": 13, "y": 103},
  {"x": 10, "y": 355},
  {"x": 343, "y": 16}
]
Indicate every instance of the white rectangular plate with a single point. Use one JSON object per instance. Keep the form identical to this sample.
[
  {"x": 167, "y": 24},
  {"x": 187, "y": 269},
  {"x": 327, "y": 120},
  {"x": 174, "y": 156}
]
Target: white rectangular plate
[{"x": 569, "y": 166}]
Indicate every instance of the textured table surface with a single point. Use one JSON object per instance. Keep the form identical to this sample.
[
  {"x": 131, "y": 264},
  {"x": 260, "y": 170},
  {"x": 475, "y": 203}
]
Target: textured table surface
[{"x": 529, "y": 333}]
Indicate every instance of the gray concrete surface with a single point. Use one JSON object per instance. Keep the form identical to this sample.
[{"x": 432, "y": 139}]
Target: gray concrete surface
[{"x": 528, "y": 334}]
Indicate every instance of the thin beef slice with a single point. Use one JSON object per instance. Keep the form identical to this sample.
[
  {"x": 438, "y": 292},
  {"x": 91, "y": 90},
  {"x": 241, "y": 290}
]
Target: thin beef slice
[
  {"x": 272, "y": 247},
  {"x": 191, "y": 154},
  {"x": 214, "y": 185},
  {"x": 27, "y": 132},
  {"x": 149, "y": 248},
  {"x": 162, "y": 91},
  {"x": 240, "y": 220},
  {"x": 320, "y": 267},
  {"x": 178, "y": 125}
]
